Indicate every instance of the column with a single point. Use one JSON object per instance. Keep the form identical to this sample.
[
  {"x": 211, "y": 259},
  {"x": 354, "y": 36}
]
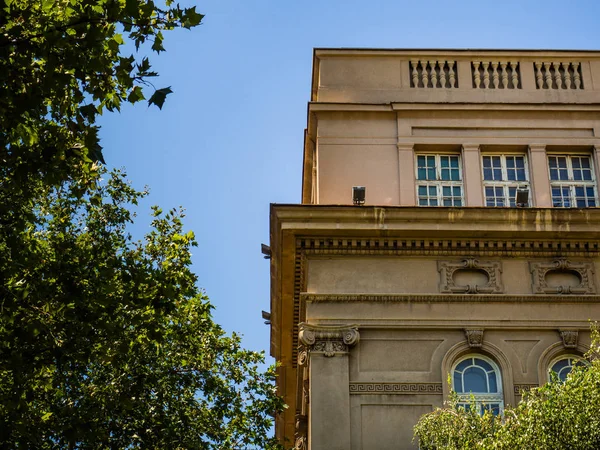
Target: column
[
  {"x": 472, "y": 175},
  {"x": 540, "y": 179},
  {"x": 329, "y": 378},
  {"x": 406, "y": 175}
]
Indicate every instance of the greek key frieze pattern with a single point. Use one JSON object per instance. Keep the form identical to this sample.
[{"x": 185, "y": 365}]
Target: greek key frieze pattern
[
  {"x": 395, "y": 388},
  {"x": 520, "y": 388}
]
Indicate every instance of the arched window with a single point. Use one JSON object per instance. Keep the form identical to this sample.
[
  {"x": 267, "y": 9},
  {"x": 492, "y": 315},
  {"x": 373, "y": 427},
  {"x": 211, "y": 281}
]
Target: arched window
[
  {"x": 563, "y": 366},
  {"x": 480, "y": 377}
]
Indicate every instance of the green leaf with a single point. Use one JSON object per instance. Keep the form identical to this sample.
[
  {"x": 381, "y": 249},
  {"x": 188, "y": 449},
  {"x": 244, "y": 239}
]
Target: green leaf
[
  {"x": 191, "y": 18},
  {"x": 159, "y": 96},
  {"x": 136, "y": 95}
]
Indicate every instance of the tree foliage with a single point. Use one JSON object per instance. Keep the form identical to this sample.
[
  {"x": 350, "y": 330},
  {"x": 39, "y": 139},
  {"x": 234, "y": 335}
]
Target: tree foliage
[
  {"x": 62, "y": 63},
  {"x": 556, "y": 416},
  {"x": 106, "y": 342}
]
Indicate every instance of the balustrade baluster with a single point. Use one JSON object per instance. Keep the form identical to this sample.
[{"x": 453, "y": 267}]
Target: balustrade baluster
[
  {"x": 495, "y": 75},
  {"x": 425, "y": 74},
  {"x": 548, "y": 75},
  {"x": 476, "y": 75},
  {"x": 415, "y": 73},
  {"x": 486, "y": 75},
  {"x": 557, "y": 75},
  {"x": 538, "y": 75},
  {"x": 576, "y": 76},
  {"x": 451, "y": 75},
  {"x": 443, "y": 74},
  {"x": 434, "y": 77},
  {"x": 515, "y": 74},
  {"x": 568, "y": 81},
  {"x": 504, "y": 74}
]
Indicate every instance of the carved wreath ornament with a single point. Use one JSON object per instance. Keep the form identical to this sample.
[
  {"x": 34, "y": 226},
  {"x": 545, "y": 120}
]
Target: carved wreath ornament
[
  {"x": 328, "y": 340},
  {"x": 583, "y": 270},
  {"x": 449, "y": 269}
]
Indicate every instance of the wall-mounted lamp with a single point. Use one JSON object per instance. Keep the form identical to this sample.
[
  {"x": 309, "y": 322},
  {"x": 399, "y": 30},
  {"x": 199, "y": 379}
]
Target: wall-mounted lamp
[
  {"x": 358, "y": 195},
  {"x": 522, "y": 197},
  {"x": 265, "y": 250},
  {"x": 266, "y": 317}
]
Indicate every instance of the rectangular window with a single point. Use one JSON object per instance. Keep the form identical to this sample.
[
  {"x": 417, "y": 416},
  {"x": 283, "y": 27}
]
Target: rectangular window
[
  {"x": 502, "y": 175},
  {"x": 439, "y": 180},
  {"x": 572, "y": 181}
]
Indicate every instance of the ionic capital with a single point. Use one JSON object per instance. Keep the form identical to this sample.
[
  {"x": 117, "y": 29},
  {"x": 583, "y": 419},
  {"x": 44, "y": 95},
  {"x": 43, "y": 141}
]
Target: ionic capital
[{"x": 328, "y": 340}]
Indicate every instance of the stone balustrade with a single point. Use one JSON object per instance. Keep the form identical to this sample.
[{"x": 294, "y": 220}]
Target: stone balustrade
[
  {"x": 496, "y": 75},
  {"x": 433, "y": 74},
  {"x": 377, "y": 76},
  {"x": 558, "y": 75}
]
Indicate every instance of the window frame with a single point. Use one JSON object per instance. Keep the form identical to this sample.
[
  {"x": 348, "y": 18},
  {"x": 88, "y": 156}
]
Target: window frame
[
  {"x": 571, "y": 183},
  {"x": 556, "y": 360},
  {"x": 439, "y": 183},
  {"x": 505, "y": 183},
  {"x": 480, "y": 398}
]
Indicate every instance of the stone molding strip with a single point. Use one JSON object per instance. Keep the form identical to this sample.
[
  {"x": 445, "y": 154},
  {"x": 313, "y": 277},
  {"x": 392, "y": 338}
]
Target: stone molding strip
[
  {"x": 395, "y": 388},
  {"x": 447, "y": 298}
]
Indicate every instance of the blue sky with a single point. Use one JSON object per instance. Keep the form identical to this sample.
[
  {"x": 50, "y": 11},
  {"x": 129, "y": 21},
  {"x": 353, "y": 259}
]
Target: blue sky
[{"x": 228, "y": 142}]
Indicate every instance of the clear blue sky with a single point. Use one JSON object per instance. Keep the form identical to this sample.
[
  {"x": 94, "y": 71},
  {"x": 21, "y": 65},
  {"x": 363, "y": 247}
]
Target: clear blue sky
[{"x": 228, "y": 142}]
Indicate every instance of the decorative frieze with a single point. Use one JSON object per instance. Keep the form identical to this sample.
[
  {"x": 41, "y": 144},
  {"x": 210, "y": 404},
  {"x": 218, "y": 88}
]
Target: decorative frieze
[
  {"x": 519, "y": 389},
  {"x": 558, "y": 75},
  {"x": 328, "y": 340},
  {"x": 474, "y": 337},
  {"x": 433, "y": 74},
  {"x": 562, "y": 276},
  {"x": 496, "y": 75},
  {"x": 395, "y": 388},
  {"x": 490, "y": 283},
  {"x": 569, "y": 338}
]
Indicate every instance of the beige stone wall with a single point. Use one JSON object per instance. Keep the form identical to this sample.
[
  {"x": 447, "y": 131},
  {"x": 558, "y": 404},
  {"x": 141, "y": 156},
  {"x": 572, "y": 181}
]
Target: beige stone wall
[
  {"x": 411, "y": 334},
  {"x": 377, "y": 149}
]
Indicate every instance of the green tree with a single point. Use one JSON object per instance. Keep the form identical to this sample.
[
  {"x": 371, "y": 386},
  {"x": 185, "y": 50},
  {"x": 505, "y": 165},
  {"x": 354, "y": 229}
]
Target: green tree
[
  {"x": 556, "y": 416},
  {"x": 107, "y": 342},
  {"x": 62, "y": 63}
]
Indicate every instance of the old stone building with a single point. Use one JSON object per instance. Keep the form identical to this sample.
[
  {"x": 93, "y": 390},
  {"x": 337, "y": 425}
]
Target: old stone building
[{"x": 473, "y": 258}]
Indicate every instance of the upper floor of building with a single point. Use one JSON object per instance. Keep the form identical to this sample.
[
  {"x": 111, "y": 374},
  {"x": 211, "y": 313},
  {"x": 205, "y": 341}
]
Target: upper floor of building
[{"x": 454, "y": 128}]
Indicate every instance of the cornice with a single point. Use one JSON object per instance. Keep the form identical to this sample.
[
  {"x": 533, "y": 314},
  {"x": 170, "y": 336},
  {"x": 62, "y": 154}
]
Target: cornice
[
  {"x": 475, "y": 223},
  {"x": 447, "y": 298},
  {"x": 460, "y": 52}
]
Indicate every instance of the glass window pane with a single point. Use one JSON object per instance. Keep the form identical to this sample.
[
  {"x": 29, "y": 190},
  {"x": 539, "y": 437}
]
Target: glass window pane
[
  {"x": 483, "y": 364},
  {"x": 559, "y": 365},
  {"x": 475, "y": 380},
  {"x": 464, "y": 364},
  {"x": 493, "y": 383},
  {"x": 458, "y": 382}
]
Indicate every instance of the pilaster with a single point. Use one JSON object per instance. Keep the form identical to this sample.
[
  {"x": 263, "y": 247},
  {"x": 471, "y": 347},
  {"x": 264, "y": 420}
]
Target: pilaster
[
  {"x": 472, "y": 175},
  {"x": 329, "y": 393},
  {"x": 540, "y": 181},
  {"x": 406, "y": 175}
]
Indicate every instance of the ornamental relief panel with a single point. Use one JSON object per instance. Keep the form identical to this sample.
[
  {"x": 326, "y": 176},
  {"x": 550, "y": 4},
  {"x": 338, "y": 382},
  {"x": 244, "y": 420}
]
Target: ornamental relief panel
[
  {"x": 562, "y": 276},
  {"x": 470, "y": 276}
]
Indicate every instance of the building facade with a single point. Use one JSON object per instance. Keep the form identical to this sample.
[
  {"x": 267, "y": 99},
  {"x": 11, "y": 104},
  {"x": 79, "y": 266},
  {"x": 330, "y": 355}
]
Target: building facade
[{"x": 471, "y": 263}]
